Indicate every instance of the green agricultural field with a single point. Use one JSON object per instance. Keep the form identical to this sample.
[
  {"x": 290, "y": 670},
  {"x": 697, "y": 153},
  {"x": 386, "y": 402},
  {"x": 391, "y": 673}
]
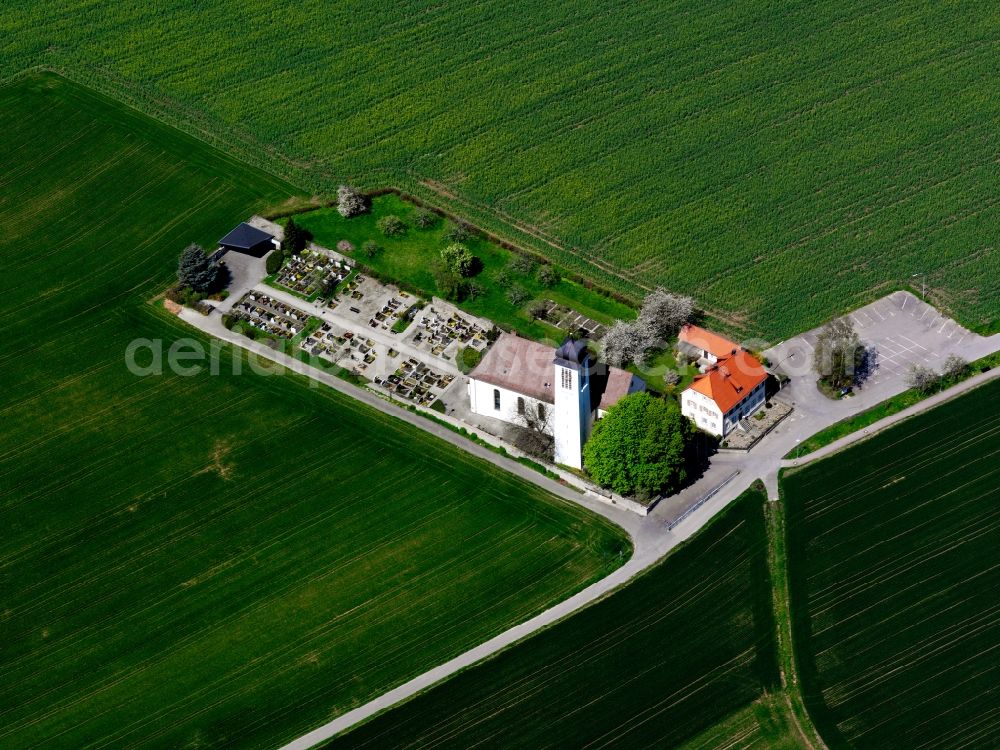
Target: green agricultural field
[
  {"x": 894, "y": 569},
  {"x": 212, "y": 560},
  {"x": 413, "y": 256},
  {"x": 677, "y": 656},
  {"x": 781, "y": 161}
]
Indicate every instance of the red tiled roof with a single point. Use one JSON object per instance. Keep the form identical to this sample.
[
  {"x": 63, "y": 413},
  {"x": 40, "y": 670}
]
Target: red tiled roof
[
  {"x": 619, "y": 382},
  {"x": 731, "y": 380},
  {"x": 519, "y": 365},
  {"x": 716, "y": 345}
]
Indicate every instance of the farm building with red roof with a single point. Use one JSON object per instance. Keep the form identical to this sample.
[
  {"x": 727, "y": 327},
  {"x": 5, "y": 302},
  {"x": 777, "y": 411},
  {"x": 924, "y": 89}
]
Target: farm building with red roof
[{"x": 731, "y": 387}]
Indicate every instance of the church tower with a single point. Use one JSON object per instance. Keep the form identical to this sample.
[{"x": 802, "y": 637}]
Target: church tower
[{"x": 571, "y": 420}]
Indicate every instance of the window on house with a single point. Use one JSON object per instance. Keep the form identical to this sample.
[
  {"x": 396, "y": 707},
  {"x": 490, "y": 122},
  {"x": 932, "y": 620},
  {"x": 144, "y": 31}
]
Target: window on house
[
  {"x": 496, "y": 399},
  {"x": 520, "y": 405},
  {"x": 541, "y": 412},
  {"x": 567, "y": 379}
]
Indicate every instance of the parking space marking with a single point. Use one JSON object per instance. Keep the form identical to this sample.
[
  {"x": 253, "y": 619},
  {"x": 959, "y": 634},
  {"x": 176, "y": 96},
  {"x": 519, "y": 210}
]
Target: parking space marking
[{"x": 914, "y": 343}]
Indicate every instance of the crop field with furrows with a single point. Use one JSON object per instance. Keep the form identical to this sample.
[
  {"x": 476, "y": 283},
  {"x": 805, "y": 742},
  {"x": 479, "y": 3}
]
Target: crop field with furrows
[
  {"x": 214, "y": 559},
  {"x": 780, "y": 161},
  {"x": 894, "y": 565},
  {"x": 657, "y": 663},
  {"x": 764, "y": 725}
]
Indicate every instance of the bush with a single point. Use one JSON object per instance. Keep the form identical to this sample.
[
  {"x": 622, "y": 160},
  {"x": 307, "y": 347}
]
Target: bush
[
  {"x": 521, "y": 264},
  {"x": 274, "y": 260},
  {"x": 458, "y": 233},
  {"x": 229, "y": 321},
  {"x": 548, "y": 276},
  {"x": 954, "y": 366},
  {"x": 191, "y": 297},
  {"x": 468, "y": 358},
  {"x": 371, "y": 248},
  {"x": 391, "y": 226},
  {"x": 518, "y": 295},
  {"x": 501, "y": 278},
  {"x": 458, "y": 258},
  {"x": 538, "y": 310},
  {"x": 922, "y": 379},
  {"x": 350, "y": 202},
  {"x": 345, "y": 246},
  {"x": 424, "y": 219}
]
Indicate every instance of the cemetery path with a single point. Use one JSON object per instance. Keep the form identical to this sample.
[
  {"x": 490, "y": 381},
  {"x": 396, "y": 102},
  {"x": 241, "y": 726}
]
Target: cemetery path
[{"x": 359, "y": 328}]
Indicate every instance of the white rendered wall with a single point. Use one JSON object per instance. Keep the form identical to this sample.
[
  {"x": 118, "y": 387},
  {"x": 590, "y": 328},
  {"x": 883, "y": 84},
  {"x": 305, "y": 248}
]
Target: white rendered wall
[
  {"x": 572, "y": 415},
  {"x": 746, "y": 407},
  {"x": 701, "y": 410},
  {"x": 704, "y": 412},
  {"x": 481, "y": 401}
]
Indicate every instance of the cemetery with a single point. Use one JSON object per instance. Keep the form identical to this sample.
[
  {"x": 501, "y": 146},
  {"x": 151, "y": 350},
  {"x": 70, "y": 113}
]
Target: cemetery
[
  {"x": 416, "y": 382},
  {"x": 443, "y": 331},
  {"x": 311, "y": 272},
  {"x": 269, "y": 315}
]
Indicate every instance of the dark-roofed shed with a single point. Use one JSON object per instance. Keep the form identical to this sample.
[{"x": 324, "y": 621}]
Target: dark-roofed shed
[{"x": 249, "y": 239}]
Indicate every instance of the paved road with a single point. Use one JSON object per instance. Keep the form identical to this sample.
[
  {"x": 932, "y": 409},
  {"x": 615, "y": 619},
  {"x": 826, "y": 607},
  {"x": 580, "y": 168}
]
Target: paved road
[
  {"x": 651, "y": 538},
  {"x": 928, "y": 403}
]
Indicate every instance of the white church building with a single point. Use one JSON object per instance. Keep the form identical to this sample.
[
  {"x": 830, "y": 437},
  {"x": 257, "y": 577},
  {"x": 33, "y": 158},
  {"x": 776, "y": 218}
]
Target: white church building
[{"x": 560, "y": 390}]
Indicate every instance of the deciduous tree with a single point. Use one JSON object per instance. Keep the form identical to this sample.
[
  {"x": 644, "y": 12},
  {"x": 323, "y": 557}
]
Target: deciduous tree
[
  {"x": 350, "y": 202},
  {"x": 838, "y": 353},
  {"x": 459, "y": 259},
  {"x": 391, "y": 226},
  {"x": 663, "y": 314},
  {"x": 624, "y": 342},
  {"x": 954, "y": 366},
  {"x": 548, "y": 276},
  {"x": 640, "y": 447}
]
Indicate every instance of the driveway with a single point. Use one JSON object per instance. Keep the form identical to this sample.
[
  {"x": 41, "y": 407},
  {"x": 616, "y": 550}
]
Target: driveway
[{"x": 245, "y": 272}]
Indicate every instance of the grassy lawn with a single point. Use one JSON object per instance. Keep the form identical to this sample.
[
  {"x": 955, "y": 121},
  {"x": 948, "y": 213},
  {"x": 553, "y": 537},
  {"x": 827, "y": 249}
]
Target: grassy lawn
[
  {"x": 213, "y": 560},
  {"x": 893, "y": 563},
  {"x": 411, "y": 258},
  {"x": 657, "y": 365},
  {"x": 887, "y": 408},
  {"x": 686, "y": 646}
]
